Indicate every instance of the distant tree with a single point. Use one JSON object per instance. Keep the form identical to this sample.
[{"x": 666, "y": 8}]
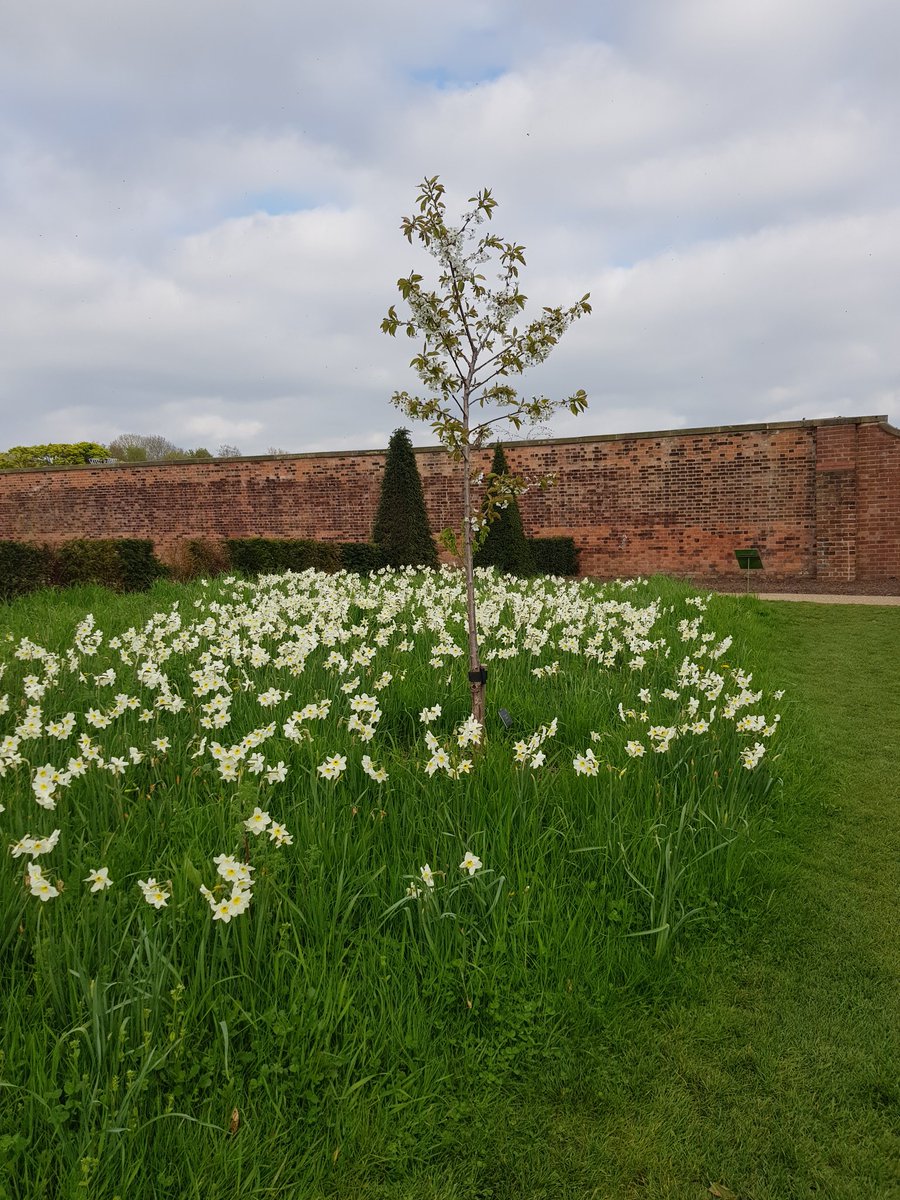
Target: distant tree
[
  {"x": 505, "y": 545},
  {"x": 151, "y": 447},
  {"x": 53, "y": 454},
  {"x": 142, "y": 447},
  {"x": 228, "y": 451},
  {"x": 179, "y": 455},
  {"x": 401, "y": 529},
  {"x": 127, "y": 453}
]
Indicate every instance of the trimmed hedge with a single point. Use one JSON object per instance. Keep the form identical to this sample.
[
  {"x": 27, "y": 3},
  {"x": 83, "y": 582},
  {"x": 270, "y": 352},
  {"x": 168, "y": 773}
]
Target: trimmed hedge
[
  {"x": 140, "y": 566},
  {"x": 554, "y": 555},
  {"x": 197, "y": 558},
  {"x": 401, "y": 530},
  {"x": 361, "y": 557},
  {"x": 122, "y": 564},
  {"x": 129, "y": 564},
  {"x": 506, "y": 547},
  {"x": 87, "y": 561},
  {"x": 23, "y": 568},
  {"x": 270, "y": 556}
]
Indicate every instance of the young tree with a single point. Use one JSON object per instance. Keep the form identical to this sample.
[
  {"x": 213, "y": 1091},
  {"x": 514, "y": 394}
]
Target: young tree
[
  {"x": 470, "y": 349},
  {"x": 401, "y": 529},
  {"x": 505, "y": 545}
]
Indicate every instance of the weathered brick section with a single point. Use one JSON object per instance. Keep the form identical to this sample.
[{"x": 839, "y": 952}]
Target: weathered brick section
[
  {"x": 682, "y": 502},
  {"x": 820, "y": 499},
  {"x": 836, "y": 502},
  {"x": 878, "y": 502}
]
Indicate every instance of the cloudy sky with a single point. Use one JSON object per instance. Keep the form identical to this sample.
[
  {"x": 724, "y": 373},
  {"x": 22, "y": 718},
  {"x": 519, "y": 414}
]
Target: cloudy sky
[{"x": 200, "y": 205}]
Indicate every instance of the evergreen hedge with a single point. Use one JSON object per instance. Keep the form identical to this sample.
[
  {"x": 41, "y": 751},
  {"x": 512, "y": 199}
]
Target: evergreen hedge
[
  {"x": 122, "y": 564},
  {"x": 23, "y": 568},
  {"x": 270, "y": 556},
  {"x": 361, "y": 557},
  {"x": 130, "y": 565},
  {"x": 506, "y": 546},
  {"x": 86, "y": 560},
  {"x": 138, "y": 563},
  {"x": 554, "y": 555},
  {"x": 401, "y": 531}
]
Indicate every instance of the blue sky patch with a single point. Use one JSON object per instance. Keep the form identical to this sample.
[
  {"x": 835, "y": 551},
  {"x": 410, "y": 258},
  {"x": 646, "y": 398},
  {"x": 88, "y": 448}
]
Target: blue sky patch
[{"x": 446, "y": 79}]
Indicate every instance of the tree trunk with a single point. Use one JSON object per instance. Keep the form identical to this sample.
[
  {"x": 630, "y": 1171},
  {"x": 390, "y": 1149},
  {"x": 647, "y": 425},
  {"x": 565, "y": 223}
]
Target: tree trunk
[{"x": 477, "y": 686}]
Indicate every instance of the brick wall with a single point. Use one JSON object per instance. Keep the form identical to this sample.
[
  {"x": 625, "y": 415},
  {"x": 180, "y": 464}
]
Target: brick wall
[
  {"x": 820, "y": 499},
  {"x": 878, "y": 503}
]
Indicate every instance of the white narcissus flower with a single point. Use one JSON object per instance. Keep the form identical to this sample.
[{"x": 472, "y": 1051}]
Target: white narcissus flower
[
  {"x": 232, "y": 870},
  {"x": 586, "y": 764},
  {"x": 470, "y": 863},
  {"x": 258, "y": 822},
  {"x": 239, "y": 900},
  {"x": 39, "y": 886},
  {"x": 44, "y": 793},
  {"x": 332, "y": 768},
  {"x": 377, "y": 773},
  {"x": 279, "y": 835},
  {"x": 277, "y": 774},
  {"x": 155, "y": 894},
  {"x": 43, "y": 845},
  {"x": 751, "y": 756},
  {"x": 427, "y": 875},
  {"x": 99, "y": 879}
]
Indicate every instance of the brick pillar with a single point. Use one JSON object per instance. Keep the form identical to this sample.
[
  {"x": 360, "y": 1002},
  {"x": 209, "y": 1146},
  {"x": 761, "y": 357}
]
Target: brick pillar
[{"x": 836, "y": 502}]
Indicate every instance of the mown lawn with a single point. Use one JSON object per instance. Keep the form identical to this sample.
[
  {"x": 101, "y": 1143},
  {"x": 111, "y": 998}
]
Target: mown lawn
[{"x": 540, "y": 1042}]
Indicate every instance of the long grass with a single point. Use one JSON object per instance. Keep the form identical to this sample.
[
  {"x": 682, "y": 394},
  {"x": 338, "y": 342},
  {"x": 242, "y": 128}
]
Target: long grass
[{"x": 351, "y": 1022}]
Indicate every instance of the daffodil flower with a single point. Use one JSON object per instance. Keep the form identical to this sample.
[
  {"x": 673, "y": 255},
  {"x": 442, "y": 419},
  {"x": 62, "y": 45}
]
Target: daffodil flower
[{"x": 470, "y": 863}]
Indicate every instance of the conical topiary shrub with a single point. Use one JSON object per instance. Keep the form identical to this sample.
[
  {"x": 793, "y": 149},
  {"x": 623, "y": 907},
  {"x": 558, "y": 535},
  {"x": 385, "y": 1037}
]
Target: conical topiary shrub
[
  {"x": 505, "y": 546},
  {"x": 401, "y": 530}
]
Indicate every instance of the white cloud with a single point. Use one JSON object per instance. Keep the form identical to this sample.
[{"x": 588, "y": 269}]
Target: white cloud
[{"x": 200, "y": 207}]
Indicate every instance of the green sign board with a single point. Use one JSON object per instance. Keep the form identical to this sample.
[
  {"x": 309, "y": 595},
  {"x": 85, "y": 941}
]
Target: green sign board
[{"x": 749, "y": 560}]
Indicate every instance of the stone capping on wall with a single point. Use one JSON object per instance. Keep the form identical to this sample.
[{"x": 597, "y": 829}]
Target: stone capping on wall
[{"x": 697, "y": 431}]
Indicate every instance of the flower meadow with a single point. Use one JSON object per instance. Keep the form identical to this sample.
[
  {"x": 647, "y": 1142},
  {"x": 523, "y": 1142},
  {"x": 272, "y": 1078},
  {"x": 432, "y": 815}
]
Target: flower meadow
[{"x": 273, "y": 902}]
